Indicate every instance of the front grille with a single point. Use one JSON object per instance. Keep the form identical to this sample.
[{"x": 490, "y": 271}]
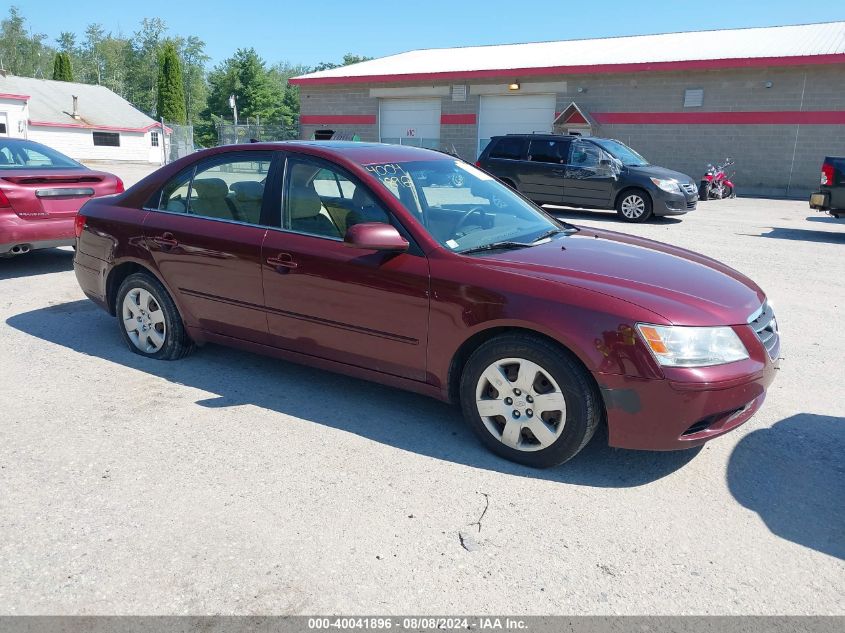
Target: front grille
[
  {"x": 691, "y": 204},
  {"x": 766, "y": 327},
  {"x": 689, "y": 188}
]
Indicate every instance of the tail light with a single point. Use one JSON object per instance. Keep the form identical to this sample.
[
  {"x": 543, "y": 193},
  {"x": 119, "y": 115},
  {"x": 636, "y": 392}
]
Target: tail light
[
  {"x": 478, "y": 163},
  {"x": 118, "y": 187},
  {"x": 4, "y": 201},
  {"x": 827, "y": 174},
  {"x": 78, "y": 224}
]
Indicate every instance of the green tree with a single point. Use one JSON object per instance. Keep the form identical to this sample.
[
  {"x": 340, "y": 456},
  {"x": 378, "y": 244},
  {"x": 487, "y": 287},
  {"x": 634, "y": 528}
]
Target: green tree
[
  {"x": 193, "y": 58},
  {"x": 23, "y": 52},
  {"x": 142, "y": 64},
  {"x": 62, "y": 70},
  {"x": 170, "y": 102},
  {"x": 348, "y": 60},
  {"x": 67, "y": 42},
  {"x": 245, "y": 75}
]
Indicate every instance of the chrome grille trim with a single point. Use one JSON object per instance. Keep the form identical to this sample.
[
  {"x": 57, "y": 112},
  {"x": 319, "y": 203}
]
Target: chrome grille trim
[
  {"x": 764, "y": 324},
  {"x": 689, "y": 187}
]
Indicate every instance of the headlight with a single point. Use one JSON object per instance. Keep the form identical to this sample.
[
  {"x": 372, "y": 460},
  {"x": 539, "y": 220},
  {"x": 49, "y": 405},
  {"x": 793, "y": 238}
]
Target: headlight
[
  {"x": 681, "y": 346},
  {"x": 667, "y": 184}
]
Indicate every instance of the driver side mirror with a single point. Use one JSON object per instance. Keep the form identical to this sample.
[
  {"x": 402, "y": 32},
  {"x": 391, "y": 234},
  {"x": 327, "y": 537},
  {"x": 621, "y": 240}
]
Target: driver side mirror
[{"x": 375, "y": 236}]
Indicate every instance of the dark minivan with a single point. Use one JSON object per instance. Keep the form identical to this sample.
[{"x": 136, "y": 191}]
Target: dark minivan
[{"x": 596, "y": 173}]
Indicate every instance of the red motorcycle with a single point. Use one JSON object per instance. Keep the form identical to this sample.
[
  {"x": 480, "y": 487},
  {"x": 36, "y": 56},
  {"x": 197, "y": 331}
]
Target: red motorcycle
[{"x": 716, "y": 184}]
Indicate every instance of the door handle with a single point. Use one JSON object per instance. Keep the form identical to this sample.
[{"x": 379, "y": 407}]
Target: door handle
[
  {"x": 166, "y": 240},
  {"x": 282, "y": 260}
]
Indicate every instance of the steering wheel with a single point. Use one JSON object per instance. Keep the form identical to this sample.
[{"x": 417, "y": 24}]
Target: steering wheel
[{"x": 465, "y": 218}]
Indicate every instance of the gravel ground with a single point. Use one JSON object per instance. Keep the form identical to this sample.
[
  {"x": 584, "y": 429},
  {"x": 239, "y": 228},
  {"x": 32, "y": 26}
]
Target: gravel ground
[
  {"x": 129, "y": 173},
  {"x": 232, "y": 483}
]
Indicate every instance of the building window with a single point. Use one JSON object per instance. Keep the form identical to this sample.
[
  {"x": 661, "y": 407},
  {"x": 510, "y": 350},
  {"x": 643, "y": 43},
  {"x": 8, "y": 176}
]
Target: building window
[
  {"x": 693, "y": 97},
  {"x": 2, "y": 128},
  {"x": 154, "y": 139},
  {"x": 107, "y": 139}
]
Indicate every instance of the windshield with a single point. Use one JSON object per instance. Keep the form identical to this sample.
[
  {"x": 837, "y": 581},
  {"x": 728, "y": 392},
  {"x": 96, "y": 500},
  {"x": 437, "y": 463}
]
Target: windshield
[
  {"x": 28, "y": 155},
  {"x": 621, "y": 151},
  {"x": 462, "y": 207}
]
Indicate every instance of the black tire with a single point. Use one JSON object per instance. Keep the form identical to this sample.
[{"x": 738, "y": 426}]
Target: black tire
[
  {"x": 582, "y": 402},
  {"x": 177, "y": 343},
  {"x": 704, "y": 190},
  {"x": 626, "y": 196},
  {"x": 729, "y": 192}
]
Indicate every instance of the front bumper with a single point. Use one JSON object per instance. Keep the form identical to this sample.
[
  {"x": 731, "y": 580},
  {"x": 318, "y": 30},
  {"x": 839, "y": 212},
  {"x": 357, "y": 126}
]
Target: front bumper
[
  {"x": 666, "y": 203},
  {"x": 659, "y": 415}
]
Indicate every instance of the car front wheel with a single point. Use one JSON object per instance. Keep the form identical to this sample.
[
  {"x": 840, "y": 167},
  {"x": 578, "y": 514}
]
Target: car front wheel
[
  {"x": 150, "y": 323},
  {"x": 634, "y": 206},
  {"x": 529, "y": 401}
]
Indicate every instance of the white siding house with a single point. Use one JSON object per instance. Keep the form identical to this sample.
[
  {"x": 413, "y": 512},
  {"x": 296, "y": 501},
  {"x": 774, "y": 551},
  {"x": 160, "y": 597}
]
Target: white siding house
[{"x": 86, "y": 122}]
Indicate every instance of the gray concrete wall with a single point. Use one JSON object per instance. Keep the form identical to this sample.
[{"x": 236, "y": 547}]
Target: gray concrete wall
[{"x": 763, "y": 153}]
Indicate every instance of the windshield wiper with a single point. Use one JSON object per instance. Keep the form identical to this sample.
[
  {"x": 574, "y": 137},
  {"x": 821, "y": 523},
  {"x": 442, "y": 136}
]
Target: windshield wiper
[
  {"x": 495, "y": 246},
  {"x": 547, "y": 234}
]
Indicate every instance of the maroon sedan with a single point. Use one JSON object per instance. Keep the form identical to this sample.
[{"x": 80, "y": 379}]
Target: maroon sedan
[
  {"x": 413, "y": 269},
  {"x": 40, "y": 192}
]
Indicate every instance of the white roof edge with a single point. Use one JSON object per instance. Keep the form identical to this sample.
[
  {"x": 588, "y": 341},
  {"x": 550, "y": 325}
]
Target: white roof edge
[{"x": 798, "y": 40}]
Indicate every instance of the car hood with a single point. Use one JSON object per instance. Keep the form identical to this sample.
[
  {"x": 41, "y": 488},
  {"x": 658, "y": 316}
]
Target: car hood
[
  {"x": 683, "y": 287},
  {"x": 654, "y": 171}
]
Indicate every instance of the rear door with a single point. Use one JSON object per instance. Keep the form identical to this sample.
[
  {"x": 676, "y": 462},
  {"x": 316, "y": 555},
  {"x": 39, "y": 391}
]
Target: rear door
[
  {"x": 205, "y": 233},
  {"x": 588, "y": 182},
  {"x": 542, "y": 174},
  {"x": 505, "y": 157}
]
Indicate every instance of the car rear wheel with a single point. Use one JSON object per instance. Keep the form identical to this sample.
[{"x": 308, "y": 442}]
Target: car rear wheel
[
  {"x": 529, "y": 401},
  {"x": 150, "y": 323},
  {"x": 634, "y": 206}
]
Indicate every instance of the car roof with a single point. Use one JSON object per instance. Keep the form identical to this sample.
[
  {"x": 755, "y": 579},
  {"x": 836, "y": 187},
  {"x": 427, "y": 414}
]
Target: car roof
[
  {"x": 363, "y": 153},
  {"x": 545, "y": 135}
]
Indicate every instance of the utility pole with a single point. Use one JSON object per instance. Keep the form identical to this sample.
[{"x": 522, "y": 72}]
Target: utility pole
[{"x": 233, "y": 103}]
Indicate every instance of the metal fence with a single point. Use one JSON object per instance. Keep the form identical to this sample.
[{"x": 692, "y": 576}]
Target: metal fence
[
  {"x": 230, "y": 134},
  {"x": 180, "y": 142}
]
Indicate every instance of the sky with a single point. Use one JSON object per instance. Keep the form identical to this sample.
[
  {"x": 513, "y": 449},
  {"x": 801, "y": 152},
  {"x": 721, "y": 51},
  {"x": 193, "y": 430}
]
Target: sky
[{"x": 324, "y": 30}]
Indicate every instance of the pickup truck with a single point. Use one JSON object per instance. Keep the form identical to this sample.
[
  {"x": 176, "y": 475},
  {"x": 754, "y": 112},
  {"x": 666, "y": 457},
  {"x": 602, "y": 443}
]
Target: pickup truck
[{"x": 831, "y": 194}]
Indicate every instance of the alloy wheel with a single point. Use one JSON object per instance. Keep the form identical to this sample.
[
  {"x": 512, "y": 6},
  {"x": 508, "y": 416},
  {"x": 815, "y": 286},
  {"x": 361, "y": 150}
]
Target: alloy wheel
[
  {"x": 521, "y": 404},
  {"x": 633, "y": 206},
  {"x": 144, "y": 321}
]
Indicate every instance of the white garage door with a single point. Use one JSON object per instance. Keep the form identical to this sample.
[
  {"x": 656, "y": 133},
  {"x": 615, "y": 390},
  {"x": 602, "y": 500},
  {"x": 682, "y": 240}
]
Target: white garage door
[
  {"x": 410, "y": 122},
  {"x": 514, "y": 114}
]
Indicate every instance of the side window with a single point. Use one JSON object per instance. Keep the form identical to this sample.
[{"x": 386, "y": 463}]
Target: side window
[
  {"x": 230, "y": 190},
  {"x": 174, "y": 195},
  {"x": 585, "y": 155},
  {"x": 508, "y": 147},
  {"x": 546, "y": 151},
  {"x": 324, "y": 201}
]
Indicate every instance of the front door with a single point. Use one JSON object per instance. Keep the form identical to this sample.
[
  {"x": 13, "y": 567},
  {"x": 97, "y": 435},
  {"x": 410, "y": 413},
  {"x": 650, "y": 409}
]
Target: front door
[
  {"x": 542, "y": 175},
  {"x": 589, "y": 178},
  {"x": 325, "y": 299},
  {"x": 205, "y": 236}
]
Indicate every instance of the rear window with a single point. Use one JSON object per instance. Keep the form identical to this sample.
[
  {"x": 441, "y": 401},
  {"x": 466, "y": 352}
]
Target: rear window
[
  {"x": 508, "y": 148},
  {"x": 15, "y": 154}
]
